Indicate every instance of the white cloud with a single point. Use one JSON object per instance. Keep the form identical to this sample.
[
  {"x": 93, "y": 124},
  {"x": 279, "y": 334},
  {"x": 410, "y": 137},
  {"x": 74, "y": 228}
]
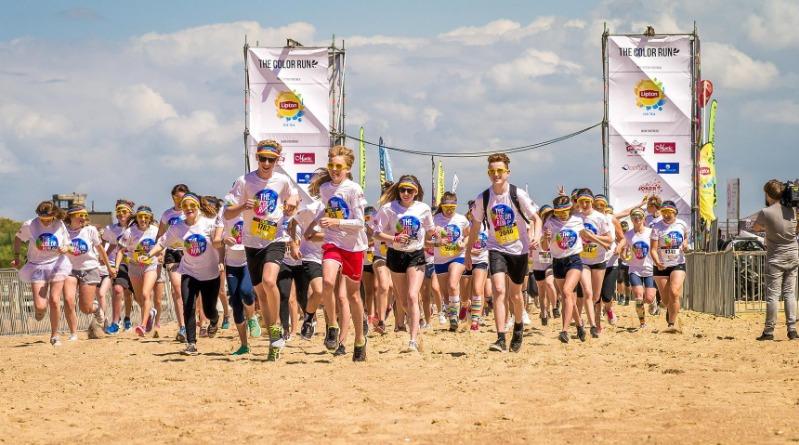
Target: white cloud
[
  {"x": 533, "y": 63},
  {"x": 26, "y": 123},
  {"x": 777, "y": 24},
  {"x": 781, "y": 112},
  {"x": 201, "y": 131},
  {"x": 381, "y": 40},
  {"x": 142, "y": 107},
  {"x": 575, "y": 23},
  {"x": 8, "y": 161},
  {"x": 495, "y": 31},
  {"x": 730, "y": 68}
]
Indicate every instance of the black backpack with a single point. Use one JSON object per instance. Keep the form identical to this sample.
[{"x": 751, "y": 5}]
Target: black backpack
[{"x": 514, "y": 198}]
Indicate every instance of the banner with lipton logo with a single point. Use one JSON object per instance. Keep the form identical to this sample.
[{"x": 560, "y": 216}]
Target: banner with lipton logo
[
  {"x": 288, "y": 100},
  {"x": 650, "y": 98}
]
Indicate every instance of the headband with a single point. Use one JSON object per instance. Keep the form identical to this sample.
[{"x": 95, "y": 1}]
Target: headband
[{"x": 190, "y": 197}]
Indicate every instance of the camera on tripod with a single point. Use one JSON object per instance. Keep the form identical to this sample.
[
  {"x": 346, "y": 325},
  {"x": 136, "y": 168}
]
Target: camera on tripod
[{"x": 790, "y": 196}]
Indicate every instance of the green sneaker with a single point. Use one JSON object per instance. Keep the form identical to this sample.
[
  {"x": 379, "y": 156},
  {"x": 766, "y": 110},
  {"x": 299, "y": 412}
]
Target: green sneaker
[
  {"x": 276, "y": 342},
  {"x": 274, "y": 354},
  {"x": 255, "y": 328},
  {"x": 243, "y": 350}
]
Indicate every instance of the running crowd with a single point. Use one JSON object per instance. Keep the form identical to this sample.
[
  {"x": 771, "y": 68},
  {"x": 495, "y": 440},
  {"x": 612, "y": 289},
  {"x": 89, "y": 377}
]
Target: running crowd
[{"x": 275, "y": 260}]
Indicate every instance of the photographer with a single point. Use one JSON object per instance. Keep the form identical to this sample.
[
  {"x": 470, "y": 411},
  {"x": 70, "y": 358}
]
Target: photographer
[{"x": 782, "y": 258}]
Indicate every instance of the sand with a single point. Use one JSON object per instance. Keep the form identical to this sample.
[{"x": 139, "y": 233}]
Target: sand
[{"x": 712, "y": 384}]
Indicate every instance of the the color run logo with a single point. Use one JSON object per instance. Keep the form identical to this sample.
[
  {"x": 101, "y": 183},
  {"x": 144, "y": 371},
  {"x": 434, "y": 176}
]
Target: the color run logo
[
  {"x": 482, "y": 241},
  {"x": 337, "y": 208},
  {"x": 408, "y": 225},
  {"x": 452, "y": 233},
  {"x": 640, "y": 250},
  {"x": 565, "y": 239},
  {"x": 79, "y": 247},
  {"x": 237, "y": 230},
  {"x": 502, "y": 216},
  {"x": 265, "y": 202},
  {"x": 176, "y": 219},
  {"x": 195, "y": 245},
  {"x": 672, "y": 240},
  {"x": 47, "y": 241}
]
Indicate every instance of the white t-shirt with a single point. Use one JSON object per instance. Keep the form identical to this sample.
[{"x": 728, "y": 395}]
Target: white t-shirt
[
  {"x": 344, "y": 201},
  {"x": 170, "y": 217},
  {"x": 596, "y": 223},
  {"x": 309, "y": 250},
  {"x": 670, "y": 240},
  {"x": 541, "y": 259},
  {"x": 650, "y": 220},
  {"x": 111, "y": 234},
  {"x": 234, "y": 255},
  {"x": 611, "y": 258},
  {"x": 43, "y": 241},
  {"x": 137, "y": 243},
  {"x": 83, "y": 254},
  {"x": 639, "y": 245},
  {"x": 507, "y": 231},
  {"x": 479, "y": 250},
  {"x": 200, "y": 258},
  {"x": 414, "y": 221},
  {"x": 565, "y": 240},
  {"x": 451, "y": 231},
  {"x": 262, "y": 223}
]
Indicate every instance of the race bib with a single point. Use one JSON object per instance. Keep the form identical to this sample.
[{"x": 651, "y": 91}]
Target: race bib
[
  {"x": 264, "y": 229},
  {"x": 370, "y": 256},
  {"x": 448, "y": 250},
  {"x": 544, "y": 257},
  {"x": 670, "y": 254},
  {"x": 590, "y": 251},
  {"x": 507, "y": 234},
  {"x": 383, "y": 250}
]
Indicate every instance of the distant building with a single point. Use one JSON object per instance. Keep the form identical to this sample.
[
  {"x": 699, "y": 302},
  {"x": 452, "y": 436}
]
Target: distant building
[{"x": 98, "y": 219}]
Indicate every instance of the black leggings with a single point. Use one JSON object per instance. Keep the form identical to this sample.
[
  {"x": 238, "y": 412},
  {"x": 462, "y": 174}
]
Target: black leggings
[
  {"x": 209, "y": 291},
  {"x": 286, "y": 275}
]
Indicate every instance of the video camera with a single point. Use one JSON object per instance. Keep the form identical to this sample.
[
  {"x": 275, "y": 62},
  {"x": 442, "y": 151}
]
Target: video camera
[{"x": 790, "y": 196}]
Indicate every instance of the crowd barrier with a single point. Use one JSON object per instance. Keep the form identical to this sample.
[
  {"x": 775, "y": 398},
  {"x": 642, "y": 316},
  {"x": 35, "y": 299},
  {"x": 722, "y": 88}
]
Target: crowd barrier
[
  {"x": 726, "y": 283},
  {"x": 17, "y": 311}
]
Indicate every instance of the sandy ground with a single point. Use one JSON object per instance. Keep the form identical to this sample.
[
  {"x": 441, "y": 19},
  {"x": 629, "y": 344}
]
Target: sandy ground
[{"x": 712, "y": 384}]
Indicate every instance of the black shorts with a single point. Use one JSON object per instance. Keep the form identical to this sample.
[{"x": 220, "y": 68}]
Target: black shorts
[
  {"x": 515, "y": 266},
  {"x": 622, "y": 276},
  {"x": 468, "y": 272},
  {"x": 172, "y": 256},
  {"x": 122, "y": 278},
  {"x": 367, "y": 268},
  {"x": 399, "y": 261},
  {"x": 609, "y": 284},
  {"x": 667, "y": 271},
  {"x": 541, "y": 275},
  {"x": 257, "y": 257},
  {"x": 598, "y": 266},
  {"x": 562, "y": 265},
  {"x": 312, "y": 269}
]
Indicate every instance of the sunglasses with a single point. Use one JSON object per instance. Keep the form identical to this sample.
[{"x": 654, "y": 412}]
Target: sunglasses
[
  {"x": 332, "y": 166},
  {"x": 407, "y": 190},
  {"x": 189, "y": 206},
  {"x": 267, "y": 159},
  {"x": 497, "y": 171},
  {"x": 81, "y": 215},
  {"x": 636, "y": 217},
  {"x": 449, "y": 206},
  {"x": 46, "y": 218}
]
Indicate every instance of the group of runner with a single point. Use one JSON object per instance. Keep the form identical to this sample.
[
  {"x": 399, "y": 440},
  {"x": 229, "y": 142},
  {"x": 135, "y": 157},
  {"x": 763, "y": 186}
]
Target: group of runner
[{"x": 264, "y": 249}]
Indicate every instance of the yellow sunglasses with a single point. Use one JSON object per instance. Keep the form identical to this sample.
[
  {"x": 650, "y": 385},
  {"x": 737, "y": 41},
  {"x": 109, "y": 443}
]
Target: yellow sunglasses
[
  {"x": 498, "y": 171},
  {"x": 189, "y": 206},
  {"x": 449, "y": 206},
  {"x": 332, "y": 166}
]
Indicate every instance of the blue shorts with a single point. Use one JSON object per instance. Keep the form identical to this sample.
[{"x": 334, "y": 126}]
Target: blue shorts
[
  {"x": 444, "y": 268},
  {"x": 560, "y": 266},
  {"x": 637, "y": 280},
  {"x": 429, "y": 270}
]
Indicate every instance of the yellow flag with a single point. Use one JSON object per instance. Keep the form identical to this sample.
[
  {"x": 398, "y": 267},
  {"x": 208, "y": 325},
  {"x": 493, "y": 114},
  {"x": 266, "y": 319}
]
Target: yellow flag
[
  {"x": 362, "y": 160},
  {"x": 707, "y": 182},
  {"x": 440, "y": 183}
]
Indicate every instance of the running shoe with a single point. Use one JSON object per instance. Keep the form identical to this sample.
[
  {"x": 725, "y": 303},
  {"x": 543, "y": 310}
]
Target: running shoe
[
  {"x": 612, "y": 319},
  {"x": 412, "y": 347},
  {"x": 556, "y": 312},
  {"x": 581, "y": 333},
  {"x": 151, "y": 320},
  {"x": 544, "y": 321},
  {"x": 226, "y": 323},
  {"x": 526, "y": 319},
  {"x": 400, "y": 329},
  {"x": 99, "y": 315},
  {"x": 763, "y": 337},
  {"x": 643, "y": 327},
  {"x": 359, "y": 353},
  {"x": 654, "y": 309},
  {"x": 308, "y": 329},
  {"x": 792, "y": 335},
  {"x": 287, "y": 337},
  {"x": 563, "y": 337},
  {"x": 127, "y": 324},
  {"x": 213, "y": 329},
  {"x": 516, "y": 340},
  {"x": 191, "y": 349},
  {"x": 243, "y": 350},
  {"x": 112, "y": 329},
  {"x": 331, "y": 339},
  {"x": 276, "y": 338},
  {"x": 72, "y": 337},
  {"x": 254, "y": 327},
  {"x": 594, "y": 332},
  {"x": 203, "y": 331},
  {"x": 499, "y": 346},
  {"x": 381, "y": 327},
  {"x": 453, "y": 324},
  {"x": 475, "y": 327},
  {"x": 341, "y": 350},
  {"x": 442, "y": 317},
  {"x": 424, "y": 325},
  {"x": 463, "y": 313},
  {"x": 140, "y": 330},
  {"x": 181, "y": 337},
  {"x": 55, "y": 341}
]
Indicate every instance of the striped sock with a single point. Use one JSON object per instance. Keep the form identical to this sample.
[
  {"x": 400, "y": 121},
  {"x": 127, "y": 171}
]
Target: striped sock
[{"x": 477, "y": 307}]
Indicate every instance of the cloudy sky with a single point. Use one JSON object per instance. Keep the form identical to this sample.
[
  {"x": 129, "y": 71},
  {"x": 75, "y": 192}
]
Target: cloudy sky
[{"x": 125, "y": 99}]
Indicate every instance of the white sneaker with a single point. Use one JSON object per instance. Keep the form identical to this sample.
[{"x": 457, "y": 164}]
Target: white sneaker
[
  {"x": 442, "y": 317},
  {"x": 526, "y": 319},
  {"x": 73, "y": 337},
  {"x": 99, "y": 315},
  {"x": 654, "y": 309},
  {"x": 509, "y": 323},
  {"x": 424, "y": 325},
  {"x": 55, "y": 341},
  {"x": 412, "y": 347}
]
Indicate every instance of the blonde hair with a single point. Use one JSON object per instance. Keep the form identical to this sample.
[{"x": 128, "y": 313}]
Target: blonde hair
[{"x": 322, "y": 175}]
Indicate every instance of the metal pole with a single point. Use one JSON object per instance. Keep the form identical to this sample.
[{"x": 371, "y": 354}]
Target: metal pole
[
  {"x": 697, "y": 228},
  {"x": 246, "y": 107},
  {"x": 605, "y": 128},
  {"x": 432, "y": 181}
]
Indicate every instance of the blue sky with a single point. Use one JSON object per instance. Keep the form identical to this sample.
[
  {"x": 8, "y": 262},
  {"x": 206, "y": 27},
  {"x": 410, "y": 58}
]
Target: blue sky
[{"x": 127, "y": 98}]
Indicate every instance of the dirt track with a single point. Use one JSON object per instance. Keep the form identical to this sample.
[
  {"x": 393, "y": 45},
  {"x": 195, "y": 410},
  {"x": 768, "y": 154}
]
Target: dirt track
[{"x": 712, "y": 384}]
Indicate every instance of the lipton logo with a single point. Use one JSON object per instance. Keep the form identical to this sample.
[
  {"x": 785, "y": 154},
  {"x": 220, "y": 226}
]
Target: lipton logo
[
  {"x": 289, "y": 106},
  {"x": 649, "y": 95},
  {"x": 662, "y": 148},
  {"x": 305, "y": 158},
  {"x": 704, "y": 171},
  {"x": 635, "y": 148},
  {"x": 651, "y": 187}
]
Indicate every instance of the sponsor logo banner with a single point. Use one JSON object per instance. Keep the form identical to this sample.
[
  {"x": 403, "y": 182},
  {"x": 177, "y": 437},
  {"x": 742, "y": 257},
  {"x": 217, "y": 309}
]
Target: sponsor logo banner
[
  {"x": 304, "y": 158},
  {"x": 668, "y": 168}
]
